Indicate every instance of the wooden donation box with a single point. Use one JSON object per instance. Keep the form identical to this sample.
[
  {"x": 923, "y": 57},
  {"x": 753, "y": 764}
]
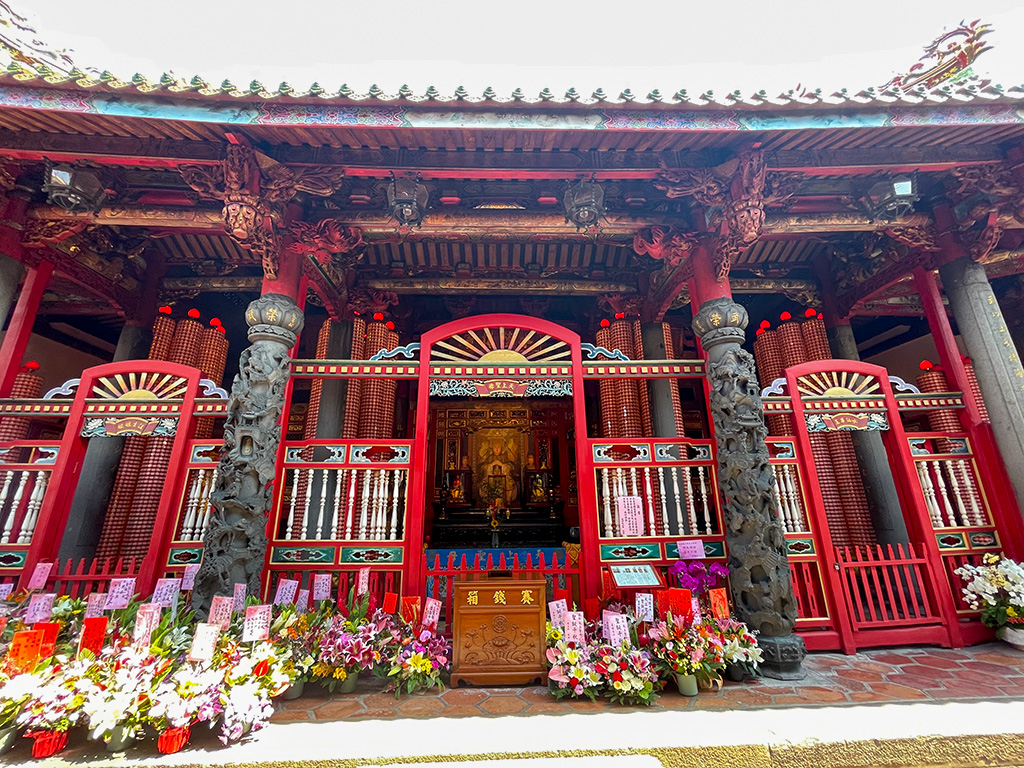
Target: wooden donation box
[{"x": 498, "y": 636}]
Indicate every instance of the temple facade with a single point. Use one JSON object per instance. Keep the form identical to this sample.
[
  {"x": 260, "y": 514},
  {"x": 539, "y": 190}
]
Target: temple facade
[{"x": 276, "y": 333}]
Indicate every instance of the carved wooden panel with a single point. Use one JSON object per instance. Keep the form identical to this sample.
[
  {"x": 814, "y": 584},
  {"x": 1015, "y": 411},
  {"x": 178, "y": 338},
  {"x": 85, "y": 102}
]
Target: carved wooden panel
[{"x": 498, "y": 635}]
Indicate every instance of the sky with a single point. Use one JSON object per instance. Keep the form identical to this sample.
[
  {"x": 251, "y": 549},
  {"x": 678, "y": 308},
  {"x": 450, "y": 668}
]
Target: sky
[{"x": 531, "y": 44}]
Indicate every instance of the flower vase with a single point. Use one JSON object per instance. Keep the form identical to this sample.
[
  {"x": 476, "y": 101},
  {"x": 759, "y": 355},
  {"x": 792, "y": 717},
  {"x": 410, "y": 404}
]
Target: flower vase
[
  {"x": 735, "y": 673},
  {"x": 687, "y": 684},
  {"x": 349, "y": 683},
  {"x": 121, "y": 738},
  {"x": 1012, "y": 636},
  {"x": 48, "y": 743},
  {"x": 294, "y": 691},
  {"x": 8, "y": 738},
  {"x": 173, "y": 739}
]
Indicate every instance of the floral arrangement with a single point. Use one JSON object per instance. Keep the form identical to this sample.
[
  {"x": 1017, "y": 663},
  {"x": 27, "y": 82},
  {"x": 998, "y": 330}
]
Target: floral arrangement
[
  {"x": 345, "y": 649},
  {"x": 572, "y": 673},
  {"x": 739, "y": 645},
  {"x": 996, "y": 587},
  {"x": 628, "y": 673},
  {"x": 127, "y": 688},
  {"x": 417, "y": 661}
]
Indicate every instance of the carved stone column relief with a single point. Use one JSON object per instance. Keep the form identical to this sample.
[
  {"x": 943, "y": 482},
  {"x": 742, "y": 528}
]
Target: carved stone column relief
[
  {"x": 236, "y": 541},
  {"x": 760, "y": 580}
]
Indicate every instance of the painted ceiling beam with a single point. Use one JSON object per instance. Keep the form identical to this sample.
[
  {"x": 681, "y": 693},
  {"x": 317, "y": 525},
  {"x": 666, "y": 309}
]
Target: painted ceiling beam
[
  {"x": 497, "y": 285},
  {"x": 434, "y": 164}
]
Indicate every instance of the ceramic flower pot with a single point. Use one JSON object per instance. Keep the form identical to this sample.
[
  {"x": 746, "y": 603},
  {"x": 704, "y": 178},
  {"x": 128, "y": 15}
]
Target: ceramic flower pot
[
  {"x": 687, "y": 684},
  {"x": 48, "y": 743},
  {"x": 173, "y": 739},
  {"x": 295, "y": 690},
  {"x": 121, "y": 738},
  {"x": 349, "y": 684},
  {"x": 8, "y": 738},
  {"x": 1012, "y": 635},
  {"x": 735, "y": 672}
]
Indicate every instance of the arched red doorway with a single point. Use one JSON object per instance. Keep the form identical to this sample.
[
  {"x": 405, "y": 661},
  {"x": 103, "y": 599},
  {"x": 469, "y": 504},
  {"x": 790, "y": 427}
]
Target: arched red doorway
[{"x": 487, "y": 352}]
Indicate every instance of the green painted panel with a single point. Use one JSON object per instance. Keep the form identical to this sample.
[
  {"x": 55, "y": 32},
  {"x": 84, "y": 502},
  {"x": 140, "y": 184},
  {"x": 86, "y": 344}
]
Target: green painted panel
[
  {"x": 712, "y": 549},
  {"x": 951, "y": 540},
  {"x": 983, "y": 539},
  {"x": 185, "y": 555},
  {"x": 371, "y": 555},
  {"x": 800, "y": 546},
  {"x": 12, "y": 558},
  {"x": 299, "y": 555},
  {"x": 649, "y": 551}
]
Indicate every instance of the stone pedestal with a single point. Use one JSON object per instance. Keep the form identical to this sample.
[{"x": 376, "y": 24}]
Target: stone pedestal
[
  {"x": 760, "y": 581},
  {"x": 236, "y": 540},
  {"x": 995, "y": 358}
]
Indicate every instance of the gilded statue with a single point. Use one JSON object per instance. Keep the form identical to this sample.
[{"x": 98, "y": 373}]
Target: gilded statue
[{"x": 498, "y": 462}]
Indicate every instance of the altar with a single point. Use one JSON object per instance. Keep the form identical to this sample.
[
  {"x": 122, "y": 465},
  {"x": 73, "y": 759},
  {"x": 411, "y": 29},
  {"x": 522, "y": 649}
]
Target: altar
[{"x": 503, "y": 475}]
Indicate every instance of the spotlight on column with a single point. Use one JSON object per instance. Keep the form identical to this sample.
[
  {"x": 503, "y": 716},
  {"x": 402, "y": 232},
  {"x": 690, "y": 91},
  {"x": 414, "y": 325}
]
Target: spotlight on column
[
  {"x": 890, "y": 198},
  {"x": 584, "y": 203},
  {"x": 74, "y": 189},
  {"x": 407, "y": 200}
]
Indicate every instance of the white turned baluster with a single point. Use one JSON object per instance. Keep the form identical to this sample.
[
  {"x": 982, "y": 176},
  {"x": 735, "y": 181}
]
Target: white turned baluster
[
  {"x": 606, "y": 501},
  {"x": 16, "y": 502},
  {"x": 35, "y": 502},
  {"x": 350, "y": 509},
  {"x": 205, "y": 504},
  {"x": 929, "y": 494},
  {"x": 339, "y": 486},
  {"x": 955, "y": 492},
  {"x": 794, "y": 516},
  {"x": 651, "y": 519},
  {"x": 680, "y": 525},
  {"x": 793, "y": 489},
  {"x": 195, "y": 491},
  {"x": 664, "y": 501},
  {"x": 396, "y": 477},
  {"x": 783, "y": 511},
  {"x": 318, "y": 530},
  {"x": 977, "y": 516},
  {"x": 287, "y": 534},
  {"x": 942, "y": 494},
  {"x": 709, "y": 514},
  {"x": 364, "y": 501},
  {"x": 5, "y": 538},
  {"x": 375, "y": 506},
  {"x": 403, "y": 480},
  {"x": 691, "y": 507},
  {"x": 632, "y": 479}
]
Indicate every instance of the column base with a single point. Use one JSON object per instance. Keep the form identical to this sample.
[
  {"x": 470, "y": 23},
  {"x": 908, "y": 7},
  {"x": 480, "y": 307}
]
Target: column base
[{"x": 783, "y": 657}]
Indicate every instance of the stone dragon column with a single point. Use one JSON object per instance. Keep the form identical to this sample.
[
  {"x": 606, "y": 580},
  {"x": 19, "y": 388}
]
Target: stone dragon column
[
  {"x": 759, "y": 570},
  {"x": 733, "y": 196},
  {"x": 236, "y": 540}
]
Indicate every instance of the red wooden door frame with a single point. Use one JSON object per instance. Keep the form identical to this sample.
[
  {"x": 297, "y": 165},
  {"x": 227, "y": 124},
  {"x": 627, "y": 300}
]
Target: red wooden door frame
[
  {"x": 56, "y": 507},
  {"x": 590, "y": 556},
  {"x": 908, "y": 490}
]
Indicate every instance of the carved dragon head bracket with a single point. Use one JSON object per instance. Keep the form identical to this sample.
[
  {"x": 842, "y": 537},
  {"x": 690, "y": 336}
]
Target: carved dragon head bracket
[
  {"x": 254, "y": 190},
  {"x": 977, "y": 195},
  {"x": 733, "y": 195}
]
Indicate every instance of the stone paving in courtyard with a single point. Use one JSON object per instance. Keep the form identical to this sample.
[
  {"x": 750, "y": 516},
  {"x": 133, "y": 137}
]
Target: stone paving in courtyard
[{"x": 992, "y": 672}]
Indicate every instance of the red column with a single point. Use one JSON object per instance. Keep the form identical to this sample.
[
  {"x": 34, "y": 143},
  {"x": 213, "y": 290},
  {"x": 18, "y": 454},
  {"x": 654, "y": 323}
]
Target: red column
[{"x": 20, "y": 328}]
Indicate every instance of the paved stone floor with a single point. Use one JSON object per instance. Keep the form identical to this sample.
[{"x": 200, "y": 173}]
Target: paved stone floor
[{"x": 992, "y": 672}]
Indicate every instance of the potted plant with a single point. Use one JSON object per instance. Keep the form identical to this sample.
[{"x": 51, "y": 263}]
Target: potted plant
[
  {"x": 571, "y": 672},
  {"x": 188, "y": 695},
  {"x": 740, "y": 652},
  {"x": 996, "y": 587},
  {"x": 345, "y": 651},
  {"x": 629, "y": 674},
  {"x": 55, "y": 705},
  {"x": 14, "y": 693},
  {"x": 669, "y": 643},
  {"x": 252, "y": 676},
  {"x": 417, "y": 661}
]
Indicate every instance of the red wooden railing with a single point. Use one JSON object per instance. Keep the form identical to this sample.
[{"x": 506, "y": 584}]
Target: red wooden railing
[
  {"x": 441, "y": 574},
  {"x": 887, "y": 588},
  {"x": 89, "y": 575},
  {"x": 381, "y": 582}
]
